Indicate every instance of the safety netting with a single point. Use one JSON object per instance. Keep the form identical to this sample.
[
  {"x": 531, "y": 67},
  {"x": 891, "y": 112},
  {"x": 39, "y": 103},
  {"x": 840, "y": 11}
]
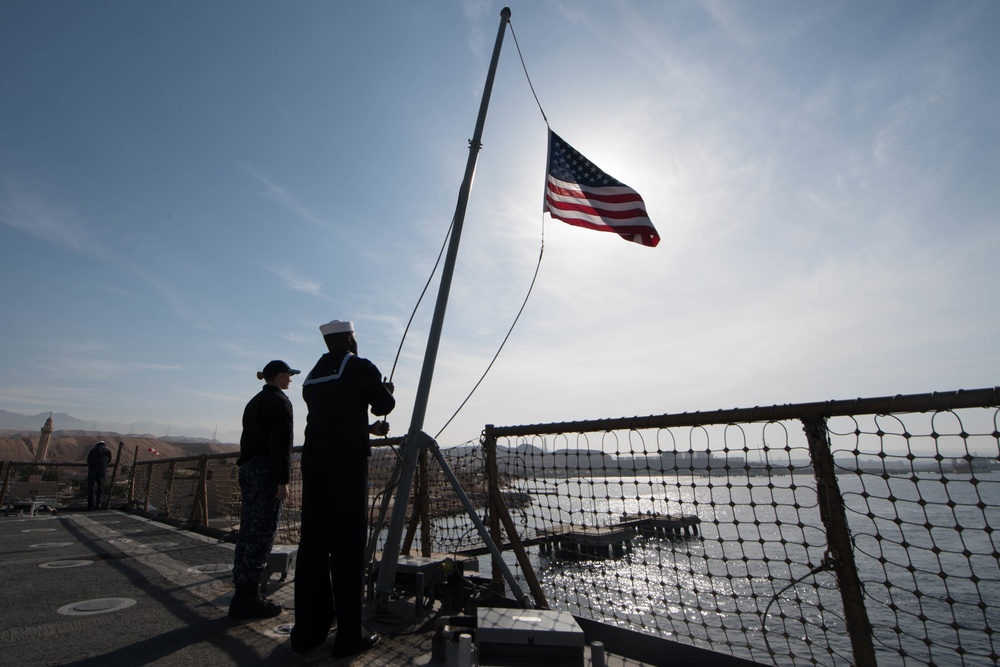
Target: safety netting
[{"x": 719, "y": 535}]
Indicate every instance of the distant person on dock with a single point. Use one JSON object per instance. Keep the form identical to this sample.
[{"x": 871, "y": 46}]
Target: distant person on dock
[
  {"x": 330, "y": 565},
  {"x": 98, "y": 460},
  {"x": 264, "y": 470}
]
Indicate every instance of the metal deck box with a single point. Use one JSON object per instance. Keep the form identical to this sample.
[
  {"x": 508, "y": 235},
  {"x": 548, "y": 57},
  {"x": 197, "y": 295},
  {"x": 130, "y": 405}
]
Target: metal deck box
[{"x": 516, "y": 637}]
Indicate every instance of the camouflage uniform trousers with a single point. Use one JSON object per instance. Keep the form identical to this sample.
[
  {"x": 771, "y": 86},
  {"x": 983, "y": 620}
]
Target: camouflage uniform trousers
[{"x": 258, "y": 522}]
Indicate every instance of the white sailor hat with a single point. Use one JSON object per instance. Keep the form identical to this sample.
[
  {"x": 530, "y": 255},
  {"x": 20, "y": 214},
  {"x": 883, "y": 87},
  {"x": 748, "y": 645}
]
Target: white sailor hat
[{"x": 336, "y": 327}]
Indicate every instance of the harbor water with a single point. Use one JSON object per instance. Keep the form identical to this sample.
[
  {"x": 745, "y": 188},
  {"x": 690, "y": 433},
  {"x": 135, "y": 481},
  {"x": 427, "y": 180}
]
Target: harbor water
[{"x": 752, "y": 583}]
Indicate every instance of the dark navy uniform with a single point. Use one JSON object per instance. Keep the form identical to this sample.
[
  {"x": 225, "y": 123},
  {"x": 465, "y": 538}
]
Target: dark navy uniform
[
  {"x": 265, "y": 453},
  {"x": 330, "y": 565},
  {"x": 98, "y": 460}
]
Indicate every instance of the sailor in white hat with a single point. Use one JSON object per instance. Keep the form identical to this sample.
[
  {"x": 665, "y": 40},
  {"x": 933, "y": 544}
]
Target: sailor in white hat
[{"x": 330, "y": 564}]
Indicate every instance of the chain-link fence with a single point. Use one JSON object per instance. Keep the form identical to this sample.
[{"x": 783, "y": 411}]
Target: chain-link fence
[{"x": 58, "y": 484}]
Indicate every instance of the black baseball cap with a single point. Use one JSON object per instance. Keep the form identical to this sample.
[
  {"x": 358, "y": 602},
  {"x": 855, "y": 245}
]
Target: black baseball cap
[{"x": 278, "y": 366}]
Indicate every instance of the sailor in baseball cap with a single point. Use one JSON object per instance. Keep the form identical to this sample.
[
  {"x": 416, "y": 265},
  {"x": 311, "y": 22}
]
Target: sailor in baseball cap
[{"x": 274, "y": 367}]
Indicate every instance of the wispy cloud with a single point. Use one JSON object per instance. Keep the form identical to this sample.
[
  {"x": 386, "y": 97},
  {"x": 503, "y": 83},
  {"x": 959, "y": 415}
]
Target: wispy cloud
[
  {"x": 116, "y": 289},
  {"x": 280, "y": 195},
  {"x": 299, "y": 338},
  {"x": 475, "y": 9},
  {"x": 35, "y": 209},
  {"x": 101, "y": 367},
  {"x": 299, "y": 283},
  {"x": 224, "y": 398},
  {"x": 43, "y": 397}
]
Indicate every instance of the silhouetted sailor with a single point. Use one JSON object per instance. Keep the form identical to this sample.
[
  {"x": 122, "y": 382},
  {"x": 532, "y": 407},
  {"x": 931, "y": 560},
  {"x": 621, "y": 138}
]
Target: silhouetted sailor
[
  {"x": 264, "y": 466},
  {"x": 330, "y": 565},
  {"x": 98, "y": 460}
]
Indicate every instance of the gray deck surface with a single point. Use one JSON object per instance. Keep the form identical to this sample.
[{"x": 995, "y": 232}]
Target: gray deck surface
[{"x": 180, "y": 582}]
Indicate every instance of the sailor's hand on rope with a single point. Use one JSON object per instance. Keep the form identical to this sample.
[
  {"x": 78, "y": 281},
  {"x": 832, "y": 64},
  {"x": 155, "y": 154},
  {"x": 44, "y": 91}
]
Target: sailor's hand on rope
[{"x": 380, "y": 427}]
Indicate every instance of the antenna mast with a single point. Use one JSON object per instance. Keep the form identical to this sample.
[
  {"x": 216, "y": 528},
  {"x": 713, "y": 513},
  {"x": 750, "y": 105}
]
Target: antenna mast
[{"x": 415, "y": 438}]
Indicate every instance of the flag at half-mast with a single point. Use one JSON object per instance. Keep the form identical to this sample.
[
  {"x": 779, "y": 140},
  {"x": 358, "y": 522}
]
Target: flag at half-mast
[{"x": 579, "y": 193}]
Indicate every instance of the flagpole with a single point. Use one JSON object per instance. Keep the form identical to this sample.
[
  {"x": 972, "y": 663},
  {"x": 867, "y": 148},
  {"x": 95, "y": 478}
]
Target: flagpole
[{"x": 415, "y": 438}]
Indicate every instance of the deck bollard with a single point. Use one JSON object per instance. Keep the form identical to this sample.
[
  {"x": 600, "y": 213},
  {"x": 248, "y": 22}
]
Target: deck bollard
[
  {"x": 465, "y": 650},
  {"x": 418, "y": 593},
  {"x": 439, "y": 648},
  {"x": 597, "y": 654}
]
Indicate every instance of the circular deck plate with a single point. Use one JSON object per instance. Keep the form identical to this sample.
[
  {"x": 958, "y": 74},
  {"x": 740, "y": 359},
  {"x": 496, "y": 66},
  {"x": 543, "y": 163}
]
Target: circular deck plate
[
  {"x": 98, "y": 606},
  {"x": 61, "y": 564},
  {"x": 212, "y": 568}
]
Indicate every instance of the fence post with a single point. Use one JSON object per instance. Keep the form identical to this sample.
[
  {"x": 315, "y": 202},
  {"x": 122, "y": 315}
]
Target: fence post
[
  {"x": 500, "y": 516},
  {"x": 841, "y": 546},
  {"x": 114, "y": 474},
  {"x": 204, "y": 493},
  {"x": 6, "y": 479},
  {"x": 149, "y": 485},
  {"x": 492, "y": 493},
  {"x": 131, "y": 479},
  {"x": 418, "y": 512},
  {"x": 425, "y": 505},
  {"x": 199, "y": 507},
  {"x": 168, "y": 494}
]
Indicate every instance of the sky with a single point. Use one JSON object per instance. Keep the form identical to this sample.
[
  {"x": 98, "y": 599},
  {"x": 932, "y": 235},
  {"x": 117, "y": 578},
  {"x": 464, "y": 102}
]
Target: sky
[{"x": 189, "y": 189}]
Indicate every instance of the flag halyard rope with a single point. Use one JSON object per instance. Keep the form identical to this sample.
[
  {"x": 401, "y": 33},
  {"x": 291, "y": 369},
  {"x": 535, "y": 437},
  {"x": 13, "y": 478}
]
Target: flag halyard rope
[{"x": 525, "y": 68}]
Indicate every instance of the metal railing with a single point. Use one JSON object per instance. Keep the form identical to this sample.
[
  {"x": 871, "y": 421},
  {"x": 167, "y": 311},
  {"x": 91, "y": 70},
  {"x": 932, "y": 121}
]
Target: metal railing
[
  {"x": 846, "y": 532},
  {"x": 60, "y": 484}
]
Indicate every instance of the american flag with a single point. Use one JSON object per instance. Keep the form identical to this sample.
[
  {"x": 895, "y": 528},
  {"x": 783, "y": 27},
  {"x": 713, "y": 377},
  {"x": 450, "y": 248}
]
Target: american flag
[{"x": 579, "y": 193}]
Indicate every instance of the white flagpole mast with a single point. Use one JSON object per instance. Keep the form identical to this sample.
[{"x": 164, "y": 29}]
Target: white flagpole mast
[{"x": 415, "y": 437}]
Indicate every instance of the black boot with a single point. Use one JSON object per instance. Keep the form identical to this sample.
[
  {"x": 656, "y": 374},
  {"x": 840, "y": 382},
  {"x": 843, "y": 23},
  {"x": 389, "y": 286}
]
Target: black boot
[
  {"x": 248, "y": 604},
  {"x": 344, "y": 647}
]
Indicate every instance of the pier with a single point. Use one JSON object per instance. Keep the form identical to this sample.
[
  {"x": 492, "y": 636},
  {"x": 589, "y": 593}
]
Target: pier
[
  {"x": 584, "y": 542},
  {"x": 662, "y": 525},
  {"x": 612, "y": 541}
]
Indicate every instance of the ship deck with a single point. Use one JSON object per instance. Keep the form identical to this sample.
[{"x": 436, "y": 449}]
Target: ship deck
[{"x": 110, "y": 588}]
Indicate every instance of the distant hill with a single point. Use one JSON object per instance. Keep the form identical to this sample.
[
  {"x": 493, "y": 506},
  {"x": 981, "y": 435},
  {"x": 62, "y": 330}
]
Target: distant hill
[
  {"x": 17, "y": 422},
  {"x": 73, "y": 438},
  {"x": 72, "y": 446}
]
